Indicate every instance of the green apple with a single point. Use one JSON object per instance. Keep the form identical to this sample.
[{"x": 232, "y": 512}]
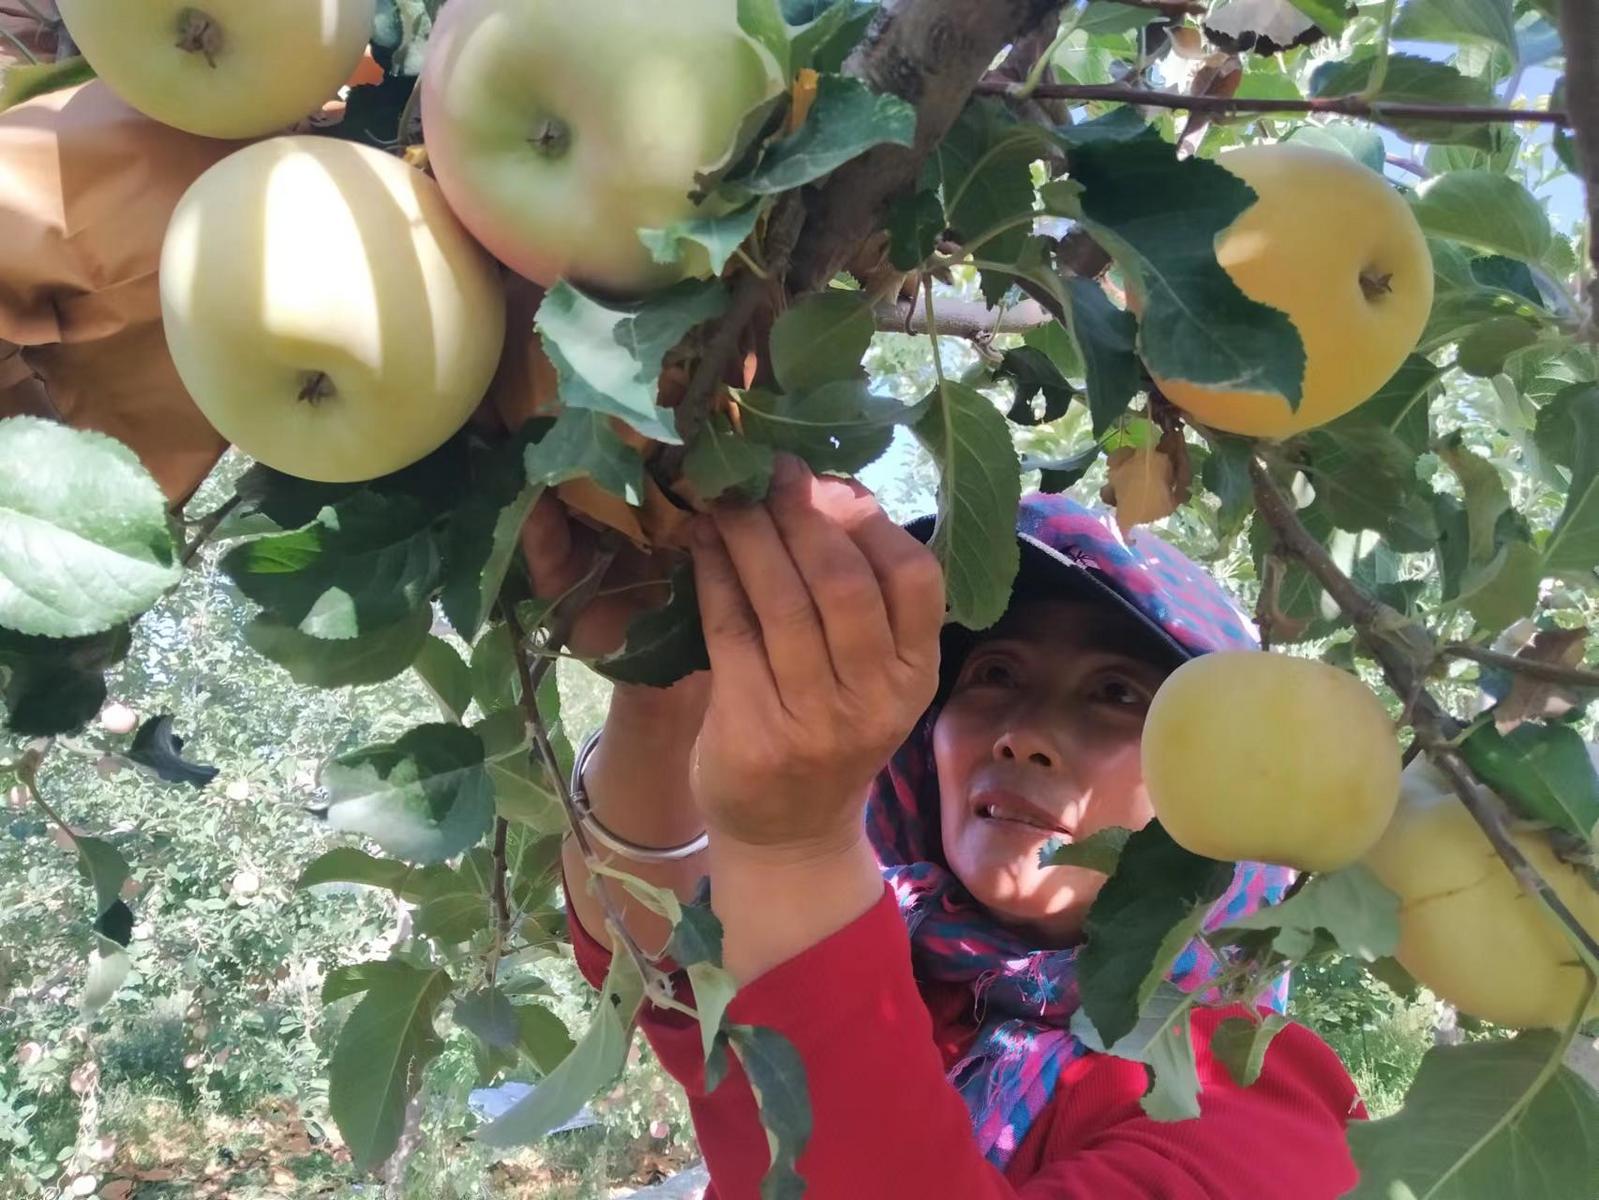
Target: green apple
[
  {"x": 558, "y": 130},
  {"x": 222, "y": 68},
  {"x": 326, "y": 310}
]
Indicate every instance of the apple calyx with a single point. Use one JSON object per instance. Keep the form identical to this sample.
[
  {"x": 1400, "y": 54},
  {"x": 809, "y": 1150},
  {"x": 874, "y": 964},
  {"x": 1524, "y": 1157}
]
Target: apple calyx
[
  {"x": 200, "y": 33},
  {"x": 1376, "y": 286},
  {"x": 552, "y": 137},
  {"x": 316, "y": 387}
]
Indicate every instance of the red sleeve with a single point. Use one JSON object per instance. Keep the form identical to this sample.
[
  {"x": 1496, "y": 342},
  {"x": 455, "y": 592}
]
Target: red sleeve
[{"x": 887, "y": 1123}]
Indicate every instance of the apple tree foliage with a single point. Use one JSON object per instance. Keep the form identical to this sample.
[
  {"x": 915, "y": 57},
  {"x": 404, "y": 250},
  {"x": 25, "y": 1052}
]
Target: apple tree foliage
[{"x": 1442, "y": 538}]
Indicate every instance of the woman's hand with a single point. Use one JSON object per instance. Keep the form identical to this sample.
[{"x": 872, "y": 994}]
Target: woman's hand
[{"x": 822, "y": 621}]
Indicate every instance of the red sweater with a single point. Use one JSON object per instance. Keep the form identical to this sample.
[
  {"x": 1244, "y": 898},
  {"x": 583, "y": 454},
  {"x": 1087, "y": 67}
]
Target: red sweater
[{"x": 888, "y": 1125}]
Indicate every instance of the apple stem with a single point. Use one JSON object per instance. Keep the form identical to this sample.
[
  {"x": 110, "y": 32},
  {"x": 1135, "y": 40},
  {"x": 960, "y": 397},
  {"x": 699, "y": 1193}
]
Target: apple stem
[
  {"x": 552, "y": 137},
  {"x": 316, "y": 388},
  {"x": 200, "y": 33},
  {"x": 1376, "y": 286}
]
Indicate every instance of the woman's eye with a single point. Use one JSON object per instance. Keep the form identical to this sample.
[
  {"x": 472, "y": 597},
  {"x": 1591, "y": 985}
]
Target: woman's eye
[
  {"x": 1123, "y": 692},
  {"x": 990, "y": 672}
]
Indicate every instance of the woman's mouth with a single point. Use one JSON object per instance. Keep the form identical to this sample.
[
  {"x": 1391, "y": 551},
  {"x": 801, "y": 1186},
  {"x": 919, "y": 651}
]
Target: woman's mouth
[{"x": 1012, "y": 810}]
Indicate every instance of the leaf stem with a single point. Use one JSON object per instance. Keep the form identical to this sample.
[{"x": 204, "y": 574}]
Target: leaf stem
[
  {"x": 932, "y": 328},
  {"x": 502, "y": 910},
  {"x": 28, "y": 772},
  {"x": 206, "y": 526},
  {"x": 1035, "y": 75},
  {"x": 1346, "y": 106}
]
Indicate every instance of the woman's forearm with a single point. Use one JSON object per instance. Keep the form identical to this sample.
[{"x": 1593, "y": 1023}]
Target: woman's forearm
[{"x": 637, "y": 781}]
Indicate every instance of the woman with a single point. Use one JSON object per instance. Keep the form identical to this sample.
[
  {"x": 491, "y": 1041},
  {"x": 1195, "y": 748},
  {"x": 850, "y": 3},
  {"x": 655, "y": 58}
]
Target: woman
[{"x": 873, "y": 822}]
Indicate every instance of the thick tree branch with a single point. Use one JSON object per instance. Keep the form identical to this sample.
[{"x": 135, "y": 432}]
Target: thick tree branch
[
  {"x": 930, "y": 53},
  {"x": 1382, "y": 631},
  {"x": 1579, "y": 34},
  {"x": 960, "y": 318},
  {"x": 1348, "y": 106}
]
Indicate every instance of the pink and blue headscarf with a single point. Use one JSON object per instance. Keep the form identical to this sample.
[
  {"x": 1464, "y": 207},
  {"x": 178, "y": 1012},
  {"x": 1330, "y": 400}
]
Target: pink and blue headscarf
[{"x": 1024, "y": 997}]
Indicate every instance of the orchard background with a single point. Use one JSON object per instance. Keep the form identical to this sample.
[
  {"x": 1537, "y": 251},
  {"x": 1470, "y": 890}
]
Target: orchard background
[{"x": 207, "y": 898}]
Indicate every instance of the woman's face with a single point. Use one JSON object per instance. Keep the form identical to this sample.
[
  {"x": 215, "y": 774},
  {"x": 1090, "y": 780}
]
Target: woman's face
[{"x": 1042, "y": 727}]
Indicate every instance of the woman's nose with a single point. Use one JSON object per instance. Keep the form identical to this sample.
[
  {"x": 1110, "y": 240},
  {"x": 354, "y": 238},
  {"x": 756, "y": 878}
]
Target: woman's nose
[{"x": 1025, "y": 744}]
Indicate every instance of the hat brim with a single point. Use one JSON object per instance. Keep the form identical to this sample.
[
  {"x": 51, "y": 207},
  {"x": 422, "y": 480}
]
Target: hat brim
[{"x": 1046, "y": 572}]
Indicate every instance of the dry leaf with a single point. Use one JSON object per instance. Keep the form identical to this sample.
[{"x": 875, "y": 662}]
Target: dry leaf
[
  {"x": 1142, "y": 484},
  {"x": 1536, "y": 699},
  {"x": 804, "y": 95}
]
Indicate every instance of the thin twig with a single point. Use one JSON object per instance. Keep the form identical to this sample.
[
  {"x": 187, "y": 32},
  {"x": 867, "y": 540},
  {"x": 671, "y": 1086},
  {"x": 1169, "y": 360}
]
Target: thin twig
[
  {"x": 1347, "y": 106},
  {"x": 28, "y": 772},
  {"x": 206, "y": 526},
  {"x": 1408, "y": 164},
  {"x": 502, "y": 908},
  {"x": 1375, "y": 625},
  {"x": 1171, "y": 7},
  {"x": 1543, "y": 671}
]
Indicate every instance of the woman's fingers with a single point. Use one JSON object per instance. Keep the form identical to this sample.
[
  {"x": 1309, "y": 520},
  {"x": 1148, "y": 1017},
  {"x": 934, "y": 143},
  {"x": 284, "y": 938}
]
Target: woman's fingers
[
  {"x": 788, "y": 622},
  {"x": 910, "y": 578},
  {"x": 733, "y": 637},
  {"x": 555, "y": 559},
  {"x": 814, "y": 517}
]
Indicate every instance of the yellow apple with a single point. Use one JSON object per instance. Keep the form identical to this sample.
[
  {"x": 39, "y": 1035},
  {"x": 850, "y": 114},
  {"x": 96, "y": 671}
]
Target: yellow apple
[
  {"x": 1262, "y": 757},
  {"x": 1466, "y": 929},
  {"x": 1331, "y": 244},
  {"x": 222, "y": 68},
  {"x": 326, "y": 310},
  {"x": 558, "y": 130}
]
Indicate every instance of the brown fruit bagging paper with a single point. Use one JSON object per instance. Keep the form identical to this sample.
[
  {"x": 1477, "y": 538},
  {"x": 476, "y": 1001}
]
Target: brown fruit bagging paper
[{"x": 86, "y": 189}]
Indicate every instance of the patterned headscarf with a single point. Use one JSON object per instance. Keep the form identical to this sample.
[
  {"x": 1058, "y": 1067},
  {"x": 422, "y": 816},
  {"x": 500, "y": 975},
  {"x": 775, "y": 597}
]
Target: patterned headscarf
[{"x": 1023, "y": 996}]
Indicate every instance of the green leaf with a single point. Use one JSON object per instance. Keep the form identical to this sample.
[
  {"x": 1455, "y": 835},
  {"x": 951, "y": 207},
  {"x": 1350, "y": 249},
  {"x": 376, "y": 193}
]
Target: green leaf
[
  {"x": 720, "y": 461},
  {"x": 521, "y": 791},
  {"x": 1459, "y": 21},
  {"x": 346, "y": 864},
  {"x": 719, "y": 236},
  {"x": 697, "y": 936},
  {"x": 713, "y": 992},
  {"x": 444, "y": 674},
  {"x": 1477, "y": 1125},
  {"x": 1099, "y": 851},
  {"x": 1363, "y": 476},
  {"x": 1351, "y": 905},
  {"x": 825, "y": 42},
  {"x": 1158, "y": 886},
  {"x": 1483, "y": 350},
  {"x": 915, "y": 221},
  {"x": 495, "y": 682},
  {"x": 1032, "y": 372},
  {"x": 1107, "y": 337},
  {"x": 763, "y": 21},
  {"x": 1543, "y": 770},
  {"x": 1484, "y": 209},
  {"x": 1330, "y": 15},
  {"x": 1196, "y": 324},
  {"x": 664, "y": 644},
  {"x": 489, "y": 1014},
  {"x": 483, "y": 536},
  {"x": 608, "y": 355},
  {"x": 103, "y": 866},
  {"x": 400, "y": 33},
  {"x": 1412, "y": 80},
  {"x": 1108, "y": 18},
  {"x": 593, "y": 1063},
  {"x": 1056, "y": 473},
  {"x": 424, "y": 798},
  {"x": 84, "y": 542},
  {"x": 24, "y": 81},
  {"x": 1226, "y": 475},
  {"x": 453, "y": 902},
  {"x": 821, "y": 339},
  {"x": 1504, "y": 589},
  {"x": 56, "y": 685},
  {"x": 373, "y": 656},
  {"x": 1358, "y": 141},
  {"x": 1573, "y": 547},
  {"x": 1162, "y": 1038},
  {"x": 1558, "y": 418},
  {"x": 366, "y": 562},
  {"x": 382, "y": 1047},
  {"x": 1241, "y": 1044},
  {"x": 1485, "y": 496},
  {"x": 542, "y": 1037},
  {"x": 840, "y": 426},
  {"x": 984, "y": 164},
  {"x": 777, "y": 1077},
  {"x": 584, "y": 445},
  {"x": 846, "y": 120},
  {"x": 979, "y": 489}
]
